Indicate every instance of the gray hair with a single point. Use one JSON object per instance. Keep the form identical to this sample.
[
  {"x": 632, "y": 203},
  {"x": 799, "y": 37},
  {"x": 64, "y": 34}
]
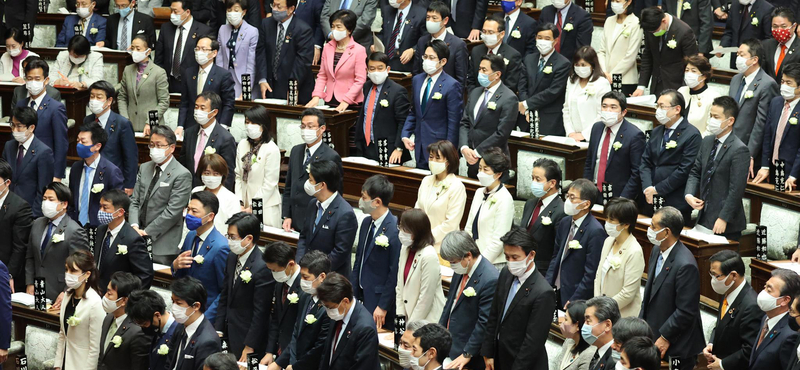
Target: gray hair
[
  {"x": 456, "y": 244},
  {"x": 164, "y": 131},
  {"x": 221, "y": 361},
  {"x": 629, "y": 327},
  {"x": 416, "y": 325},
  {"x": 672, "y": 219},
  {"x": 605, "y": 308}
]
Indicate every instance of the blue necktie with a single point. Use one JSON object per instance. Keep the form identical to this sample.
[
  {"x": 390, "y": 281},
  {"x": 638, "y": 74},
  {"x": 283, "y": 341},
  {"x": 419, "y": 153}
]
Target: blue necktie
[
  {"x": 83, "y": 217},
  {"x": 308, "y": 159},
  {"x": 345, "y": 4},
  {"x": 195, "y": 246},
  {"x": 106, "y": 245},
  {"x": 511, "y": 293},
  {"x": 425, "y": 95},
  {"x": 319, "y": 215},
  {"x": 739, "y": 91},
  {"x": 659, "y": 264},
  {"x": 541, "y": 64},
  {"x": 47, "y": 237}
]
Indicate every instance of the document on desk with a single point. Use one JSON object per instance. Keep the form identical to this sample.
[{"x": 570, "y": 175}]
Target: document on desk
[
  {"x": 419, "y": 171},
  {"x": 24, "y": 299},
  {"x": 516, "y": 133},
  {"x": 278, "y": 231},
  {"x": 360, "y": 160},
  {"x": 787, "y": 265},
  {"x": 159, "y": 267},
  {"x": 646, "y": 100},
  {"x": 704, "y": 234}
]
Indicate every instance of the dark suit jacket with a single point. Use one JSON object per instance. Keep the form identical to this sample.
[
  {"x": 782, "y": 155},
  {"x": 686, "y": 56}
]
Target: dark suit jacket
[
  {"x": 243, "y": 310},
  {"x": 770, "y": 47},
  {"x": 51, "y": 129},
  {"x": 413, "y": 30},
  {"x": 512, "y": 59},
  {"x": 470, "y": 15},
  {"x": 579, "y": 266},
  {"x": 305, "y": 349},
  {"x": 581, "y": 22},
  {"x": 202, "y": 344},
  {"x": 142, "y": 25},
  {"x": 334, "y": 235},
  {"x": 15, "y": 230},
  {"x": 5, "y": 303},
  {"x": 219, "y": 81},
  {"x": 752, "y": 115},
  {"x": 120, "y": 149},
  {"x": 50, "y": 265},
  {"x": 68, "y": 30},
  {"x": 457, "y": 64},
  {"x": 526, "y": 26},
  {"x": 294, "y": 62},
  {"x": 221, "y": 140},
  {"x": 492, "y": 127},
  {"x": 136, "y": 260},
  {"x": 19, "y": 12},
  {"x": 21, "y": 93},
  {"x": 736, "y": 31},
  {"x": 663, "y": 65},
  {"x": 727, "y": 183},
  {"x": 790, "y": 141},
  {"x": 165, "y": 52},
  {"x": 737, "y": 331},
  {"x": 295, "y": 199},
  {"x": 105, "y": 174},
  {"x": 158, "y": 362},
  {"x": 281, "y": 323},
  {"x": 544, "y": 92},
  {"x": 358, "y": 345},
  {"x": 36, "y": 172},
  {"x": 211, "y": 272},
  {"x": 622, "y": 168},
  {"x": 671, "y": 302},
  {"x": 467, "y": 316},
  {"x": 376, "y": 266},
  {"x": 700, "y": 19},
  {"x": 309, "y": 12},
  {"x": 668, "y": 169},
  {"x": 387, "y": 122},
  {"x": 519, "y": 343},
  {"x": 605, "y": 362},
  {"x": 777, "y": 348},
  {"x": 132, "y": 354},
  {"x": 545, "y": 235}
]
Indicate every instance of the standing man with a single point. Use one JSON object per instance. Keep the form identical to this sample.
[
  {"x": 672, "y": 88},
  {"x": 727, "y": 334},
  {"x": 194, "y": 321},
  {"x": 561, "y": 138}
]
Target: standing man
[
  {"x": 126, "y": 23},
  {"x": 773, "y": 351},
  {"x": 543, "y": 83},
  {"x": 15, "y": 229},
  {"x": 279, "y": 258},
  {"x": 437, "y": 20},
  {"x": 573, "y": 23},
  {"x": 30, "y": 160},
  {"x": 195, "y": 337},
  {"x": 467, "y": 18},
  {"x": 403, "y": 26},
  {"x": 781, "y": 49},
  {"x": 781, "y": 138},
  {"x": 544, "y": 211},
  {"x": 176, "y": 42},
  {"x": 520, "y": 28},
  {"x": 741, "y": 26},
  {"x": 5, "y": 313},
  {"x": 123, "y": 345},
  {"x": 365, "y": 11},
  {"x": 699, "y": 17},
  {"x": 147, "y": 309},
  {"x": 492, "y": 35},
  {"x": 601, "y": 314},
  {"x": 18, "y": 13}
]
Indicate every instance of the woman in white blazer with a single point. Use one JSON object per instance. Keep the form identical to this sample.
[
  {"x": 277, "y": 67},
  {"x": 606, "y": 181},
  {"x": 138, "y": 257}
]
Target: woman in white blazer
[
  {"x": 258, "y": 166},
  {"x": 419, "y": 280},
  {"x": 585, "y": 89},
  {"x": 11, "y": 61},
  {"x": 213, "y": 171},
  {"x": 441, "y": 195},
  {"x": 576, "y": 353},
  {"x": 697, "y": 94},
  {"x": 78, "y": 66},
  {"x": 81, "y": 316},
  {"x": 619, "y": 45},
  {"x": 619, "y": 275},
  {"x": 492, "y": 211}
]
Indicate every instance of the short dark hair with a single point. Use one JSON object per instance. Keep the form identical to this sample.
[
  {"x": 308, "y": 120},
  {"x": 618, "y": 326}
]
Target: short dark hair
[
  {"x": 651, "y": 18},
  {"x": 79, "y": 45},
  {"x": 63, "y": 194},
  {"x": 587, "y": 190},
  {"x": 642, "y": 353},
  {"x": 702, "y": 64},
  {"x": 314, "y": 112},
  {"x": 246, "y": 224},
  {"x": 497, "y": 18},
  {"x": 379, "y": 186},
  {"x": 435, "y": 336},
  {"x": 208, "y": 200},
  {"x": 106, "y": 87},
  {"x": 230, "y": 3},
  {"x": 628, "y": 327},
  {"x": 671, "y": 219},
  {"x": 439, "y": 47},
  {"x": 348, "y": 18},
  {"x": 260, "y": 116},
  {"x": 16, "y": 34},
  {"x": 552, "y": 171},
  {"x": 190, "y": 290},
  {"x": 623, "y": 210},
  {"x": 166, "y": 132},
  {"x": 439, "y": 7},
  {"x": 497, "y": 63},
  {"x": 378, "y": 57},
  {"x": 548, "y": 27},
  {"x": 335, "y": 288},
  {"x": 291, "y": 3},
  {"x": 214, "y": 41},
  {"x": 495, "y": 158},
  {"x": 143, "y": 304},
  {"x": 577, "y": 312},
  {"x": 141, "y": 38},
  {"x": 728, "y": 261},
  {"x": 518, "y": 237},
  {"x": 214, "y": 100},
  {"x": 618, "y": 96},
  {"x": 25, "y": 115},
  {"x": 791, "y": 282},
  {"x": 605, "y": 308},
  {"x": 756, "y": 49},
  {"x": 5, "y": 170},
  {"x": 279, "y": 253},
  {"x": 326, "y": 171},
  {"x": 676, "y": 99},
  {"x": 417, "y": 223},
  {"x": 447, "y": 150},
  {"x": 185, "y": 4},
  {"x": 37, "y": 63},
  {"x": 124, "y": 283},
  {"x": 118, "y": 199},
  {"x": 221, "y": 360},
  {"x": 792, "y": 70},
  {"x": 784, "y": 12},
  {"x": 729, "y": 106},
  {"x": 316, "y": 262},
  {"x": 83, "y": 260},
  {"x": 99, "y": 134}
]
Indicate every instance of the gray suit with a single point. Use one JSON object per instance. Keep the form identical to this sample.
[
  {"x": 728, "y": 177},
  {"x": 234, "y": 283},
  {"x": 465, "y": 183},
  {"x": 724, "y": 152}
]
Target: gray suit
[
  {"x": 493, "y": 125},
  {"x": 164, "y": 208},
  {"x": 749, "y": 126},
  {"x": 151, "y": 93},
  {"x": 21, "y": 93},
  {"x": 726, "y": 186},
  {"x": 51, "y": 265},
  {"x": 132, "y": 354},
  {"x": 364, "y": 9}
]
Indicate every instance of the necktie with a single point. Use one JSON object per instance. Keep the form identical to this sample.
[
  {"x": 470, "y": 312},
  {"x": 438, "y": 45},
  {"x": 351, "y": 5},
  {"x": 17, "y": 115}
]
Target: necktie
[
  {"x": 308, "y": 158},
  {"x": 83, "y": 216},
  {"x": 535, "y": 215},
  {"x": 232, "y": 49},
  {"x": 33, "y": 104},
  {"x": 284, "y": 294},
  {"x": 475, "y": 223},
  {"x": 779, "y": 133},
  {"x": 679, "y": 10},
  {"x": 367, "y": 243},
  {"x": 176, "y": 57},
  {"x": 508, "y": 28},
  {"x": 740, "y": 90},
  {"x": 20, "y": 156},
  {"x": 711, "y": 165},
  {"x": 564, "y": 252},
  {"x": 541, "y": 64},
  {"x": 491, "y": 52},
  {"x": 560, "y": 31},
  {"x": 659, "y": 264},
  {"x": 390, "y": 49},
  {"x": 198, "y": 151},
  {"x": 336, "y": 337},
  {"x": 106, "y": 245},
  {"x": 111, "y": 331},
  {"x": 453, "y": 14},
  {"x": 310, "y": 306},
  {"x": 425, "y": 94},
  {"x": 370, "y": 112},
  {"x": 667, "y": 134},
  {"x": 201, "y": 80},
  {"x": 320, "y": 211},
  {"x": 47, "y": 237},
  {"x": 143, "y": 211},
  {"x": 123, "y": 40},
  {"x": 237, "y": 271},
  {"x": 763, "y": 334},
  {"x": 483, "y": 103},
  {"x": 345, "y": 4},
  {"x": 745, "y": 13},
  {"x": 511, "y": 293},
  {"x": 601, "y": 167},
  {"x": 595, "y": 358},
  {"x": 464, "y": 279},
  {"x": 780, "y": 59},
  {"x": 278, "y": 45},
  {"x": 724, "y": 308}
]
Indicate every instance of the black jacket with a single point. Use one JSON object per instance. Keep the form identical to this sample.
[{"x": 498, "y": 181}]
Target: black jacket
[
  {"x": 737, "y": 331},
  {"x": 295, "y": 199},
  {"x": 283, "y": 315},
  {"x": 15, "y": 229},
  {"x": 142, "y": 25},
  {"x": 202, "y": 344},
  {"x": 135, "y": 260},
  {"x": 545, "y": 235}
]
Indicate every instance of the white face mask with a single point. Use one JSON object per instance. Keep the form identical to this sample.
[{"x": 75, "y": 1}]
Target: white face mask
[
  {"x": 34, "y": 87},
  {"x": 609, "y": 118},
  {"x": 234, "y": 18},
  {"x": 201, "y": 57},
  {"x": 179, "y": 313},
  {"x": 201, "y": 117},
  {"x": 280, "y": 276},
  {"x": 83, "y": 12},
  {"x": 719, "y": 286},
  {"x": 661, "y": 116},
  {"x": 378, "y": 78},
  {"x": 14, "y": 52},
  {"x": 395, "y": 3},
  {"x": 652, "y": 235},
  {"x": 308, "y": 286},
  {"x": 458, "y": 268},
  {"x": 405, "y": 238},
  {"x": 583, "y": 71},
  {"x": 746, "y": 3},
  {"x": 485, "y": 179},
  {"x": 437, "y": 167},
  {"x": 339, "y": 35},
  {"x": 741, "y": 64},
  {"x": 571, "y": 209},
  {"x": 714, "y": 126},
  {"x": 404, "y": 356},
  {"x": 489, "y": 40},
  {"x": 96, "y": 106},
  {"x": 766, "y": 302},
  {"x": 692, "y": 79},
  {"x": 433, "y": 27},
  {"x": 787, "y": 92},
  {"x": 309, "y": 136},
  {"x": 175, "y": 19},
  {"x": 617, "y": 8},
  {"x": 50, "y": 209},
  {"x": 430, "y": 66},
  {"x": 559, "y": 4},
  {"x": 415, "y": 365},
  {"x": 110, "y": 306},
  {"x": 236, "y": 247},
  {"x": 211, "y": 182},
  {"x": 334, "y": 313},
  {"x": 20, "y": 136},
  {"x": 310, "y": 188},
  {"x": 518, "y": 268},
  {"x": 73, "y": 281},
  {"x": 253, "y": 131},
  {"x": 619, "y": 365},
  {"x": 78, "y": 60},
  {"x": 158, "y": 155},
  {"x": 611, "y": 230},
  {"x": 139, "y": 56},
  {"x": 544, "y": 46}
]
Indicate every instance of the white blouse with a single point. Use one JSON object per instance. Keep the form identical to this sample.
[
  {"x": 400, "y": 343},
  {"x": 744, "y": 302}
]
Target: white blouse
[{"x": 582, "y": 105}]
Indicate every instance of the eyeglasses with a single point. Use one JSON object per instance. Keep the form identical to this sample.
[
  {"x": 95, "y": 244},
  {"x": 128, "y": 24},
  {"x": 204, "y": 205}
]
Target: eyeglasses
[
  {"x": 662, "y": 106},
  {"x": 159, "y": 146}
]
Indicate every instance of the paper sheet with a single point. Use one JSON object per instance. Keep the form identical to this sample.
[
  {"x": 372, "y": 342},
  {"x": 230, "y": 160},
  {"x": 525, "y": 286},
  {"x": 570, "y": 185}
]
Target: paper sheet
[
  {"x": 260, "y": 367},
  {"x": 360, "y": 160},
  {"x": 560, "y": 139},
  {"x": 24, "y": 299},
  {"x": 419, "y": 171},
  {"x": 704, "y": 234},
  {"x": 787, "y": 265},
  {"x": 516, "y": 133},
  {"x": 159, "y": 267},
  {"x": 278, "y": 231},
  {"x": 446, "y": 271},
  {"x": 732, "y": 49},
  {"x": 646, "y": 100}
]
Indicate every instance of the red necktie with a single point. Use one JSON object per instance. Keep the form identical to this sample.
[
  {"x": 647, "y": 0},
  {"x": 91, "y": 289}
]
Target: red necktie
[
  {"x": 336, "y": 336},
  {"x": 780, "y": 59},
  {"x": 464, "y": 279},
  {"x": 601, "y": 168},
  {"x": 535, "y": 214},
  {"x": 560, "y": 31},
  {"x": 368, "y": 117}
]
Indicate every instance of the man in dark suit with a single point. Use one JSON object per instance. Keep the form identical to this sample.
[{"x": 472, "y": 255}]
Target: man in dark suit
[
  {"x": 781, "y": 140},
  {"x": 467, "y": 18},
  {"x": 527, "y": 301},
  {"x": 403, "y": 26},
  {"x": 309, "y": 11},
  {"x": 331, "y": 225},
  {"x": 31, "y": 160},
  {"x": 147, "y": 309},
  {"x": 244, "y": 303},
  {"x": 737, "y": 329},
  {"x": 432, "y": 343},
  {"x": 18, "y": 13},
  {"x": 374, "y": 273},
  {"x": 544, "y": 211},
  {"x": 669, "y": 156},
  {"x": 383, "y": 114},
  {"x": 123, "y": 345},
  {"x": 15, "y": 229},
  {"x": 352, "y": 341},
  {"x": 21, "y": 93},
  {"x": 671, "y": 300},
  {"x": 601, "y": 314},
  {"x": 295, "y": 198},
  {"x": 490, "y": 115},
  {"x": 175, "y": 60},
  {"x": 280, "y": 260},
  {"x": 467, "y": 308},
  {"x": 752, "y": 21},
  {"x": 574, "y": 25},
  {"x": 92, "y": 176},
  {"x": 579, "y": 242},
  {"x": 493, "y": 34},
  {"x": 293, "y": 53},
  {"x": 699, "y": 17},
  {"x": 782, "y": 50},
  {"x": 520, "y": 28},
  {"x": 127, "y": 23},
  {"x": 776, "y": 343},
  {"x": 543, "y": 83},
  {"x": 209, "y": 133},
  {"x": 663, "y": 56},
  {"x": 90, "y": 23},
  {"x": 437, "y": 20},
  {"x": 207, "y": 77},
  {"x": 721, "y": 165},
  {"x": 194, "y": 338},
  {"x": 5, "y": 313}
]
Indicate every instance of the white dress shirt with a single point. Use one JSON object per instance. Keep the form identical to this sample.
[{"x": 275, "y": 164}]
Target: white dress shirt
[
  {"x": 186, "y": 27},
  {"x": 614, "y": 130},
  {"x": 433, "y": 79},
  {"x": 127, "y": 37},
  {"x": 114, "y": 232},
  {"x": 748, "y": 80},
  {"x": 313, "y": 149},
  {"x": 37, "y": 100}
]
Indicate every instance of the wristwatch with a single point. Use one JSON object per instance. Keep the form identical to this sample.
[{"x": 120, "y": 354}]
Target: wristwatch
[{"x": 466, "y": 355}]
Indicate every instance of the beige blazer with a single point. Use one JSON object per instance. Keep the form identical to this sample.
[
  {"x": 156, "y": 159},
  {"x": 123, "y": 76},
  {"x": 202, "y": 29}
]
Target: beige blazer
[
  {"x": 420, "y": 297},
  {"x": 494, "y": 221},
  {"x": 618, "y": 54},
  {"x": 622, "y": 283},
  {"x": 82, "y": 342},
  {"x": 7, "y": 64},
  {"x": 135, "y": 103},
  {"x": 444, "y": 207},
  {"x": 581, "y": 362},
  {"x": 262, "y": 182},
  {"x": 699, "y": 107},
  {"x": 582, "y": 105},
  {"x": 89, "y": 72}
]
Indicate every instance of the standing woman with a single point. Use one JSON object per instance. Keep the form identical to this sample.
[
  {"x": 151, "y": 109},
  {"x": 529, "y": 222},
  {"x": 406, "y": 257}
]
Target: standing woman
[
  {"x": 259, "y": 166},
  {"x": 576, "y": 353},
  {"x": 213, "y": 171},
  {"x": 419, "y": 281},
  {"x": 144, "y": 86},
  {"x": 11, "y": 68},
  {"x": 619, "y": 45},
  {"x": 696, "y": 93},
  {"x": 237, "y": 45},
  {"x": 81, "y": 315},
  {"x": 585, "y": 89}
]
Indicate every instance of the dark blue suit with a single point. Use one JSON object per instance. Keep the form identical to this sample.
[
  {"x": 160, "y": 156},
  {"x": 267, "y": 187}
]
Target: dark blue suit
[
  {"x": 305, "y": 349},
  {"x": 776, "y": 348},
  {"x": 202, "y": 344},
  {"x": 358, "y": 345},
  {"x": 68, "y": 30},
  {"x": 458, "y": 62},
  {"x": 375, "y": 267},
  {"x": 309, "y": 12},
  {"x": 157, "y": 362},
  {"x": 36, "y": 171},
  {"x": 212, "y": 271},
  {"x": 51, "y": 129},
  {"x": 736, "y": 32},
  {"x": 413, "y": 29},
  {"x": 221, "y": 140},
  {"x": 120, "y": 149},
  {"x": 297, "y": 52},
  {"x": 467, "y": 320},
  {"x": 790, "y": 141},
  {"x": 579, "y": 265},
  {"x": 441, "y": 118},
  {"x": 105, "y": 174},
  {"x": 219, "y": 81},
  {"x": 580, "y": 35},
  {"x": 5, "y": 308},
  {"x": 333, "y": 235},
  {"x": 622, "y": 168},
  {"x": 526, "y": 26}
]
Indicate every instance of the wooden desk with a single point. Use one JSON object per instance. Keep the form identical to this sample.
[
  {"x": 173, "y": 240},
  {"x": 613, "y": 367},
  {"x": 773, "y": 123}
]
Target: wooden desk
[
  {"x": 765, "y": 193},
  {"x": 574, "y": 156},
  {"x": 24, "y": 316},
  {"x": 760, "y": 272},
  {"x": 494, "y": 7}
]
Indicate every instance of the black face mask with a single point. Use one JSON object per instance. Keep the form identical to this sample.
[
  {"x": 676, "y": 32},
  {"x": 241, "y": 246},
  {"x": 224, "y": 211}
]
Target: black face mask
[
  {"x": 153, "y": 329},
  {"x": 793, "y": 324}
]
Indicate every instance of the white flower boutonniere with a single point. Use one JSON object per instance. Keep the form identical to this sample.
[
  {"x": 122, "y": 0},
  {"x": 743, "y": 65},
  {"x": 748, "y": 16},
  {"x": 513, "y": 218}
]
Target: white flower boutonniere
[
  {"x": 58, "y": 238},
  {"x": 515, "y": 34},
  {"x": 254, "y": 160},
  {"x": 687, "y": 6},
  {"x": 793, "y": 121},
  {"x": 590, "y": 90},
  {"x": 310, "y": 319},
  {"x": 117, "y": 340},
  {"x": 672, "y": 44},
  {"x": 469, "y": 292},
  {"x": 293, "y": 298},
  {"x": 615, "y": 262},
  {"x": 437, "y": 96},
  {"x": 384, "y": 103},
  {"x": 568, "y": 27},
  {"x": 505, "y": 61},
  {"x": 209, "y": 150},
  {"x": 546, "y": 221},
  {"x": 547, "y": 70},
  {"x": 626, "y": 32},
  {"x": 491, "y": 105},
  {"x": 575, "y": 245},
  {"x": 82, "y": 71},
  {"x": 96, "y": 188},
  {"x": 163, "y": 349},
  {"x": 122, "y": 249},
  {"x": 73, "y": 321},
  {"x": 199, "y": 259},
  {"x": 754, "y": 21},
  {"x": 672, "y": 144},
  {"x": 382, "y": 240},
  {"x": 617, "y": 145},
  {"x": 94, "y": 31},
  {"x": 246, "y": 276},
  {"x": 492, "y": 202}
]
